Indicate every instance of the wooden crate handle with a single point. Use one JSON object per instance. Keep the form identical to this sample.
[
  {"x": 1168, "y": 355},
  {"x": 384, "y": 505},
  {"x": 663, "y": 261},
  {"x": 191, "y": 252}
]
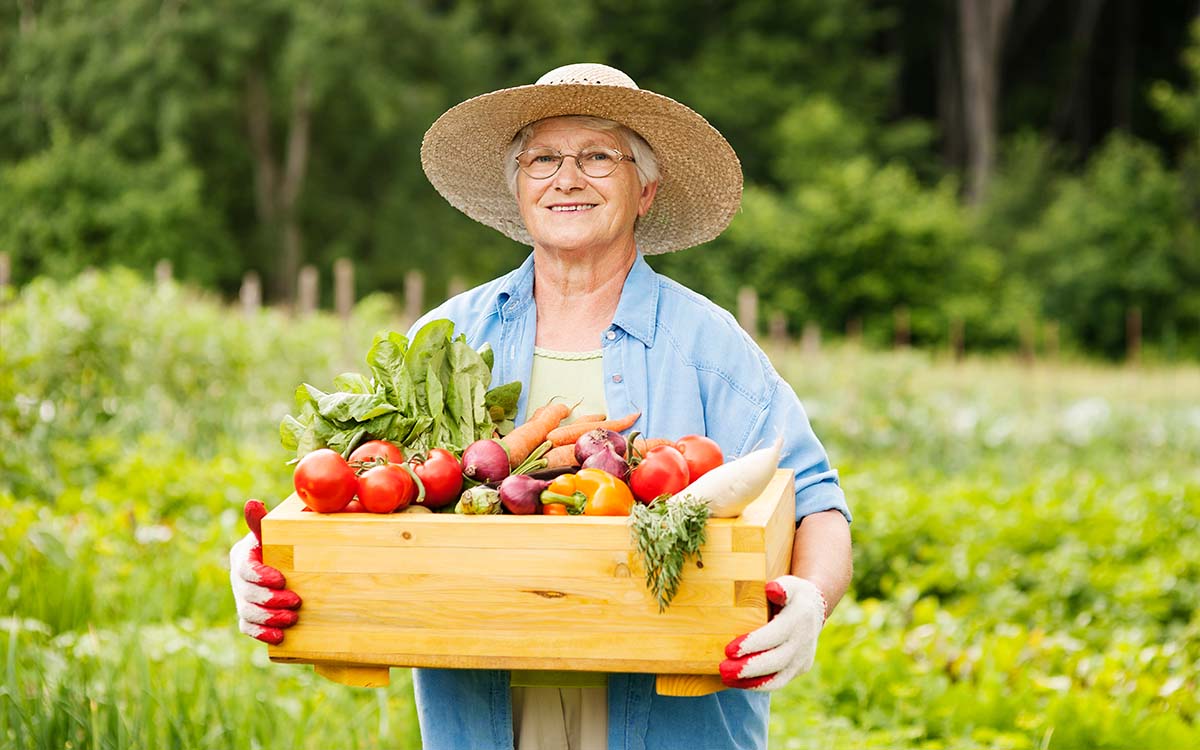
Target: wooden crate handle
[
  {"x": 688, "y": 685},
  {"x": 354, "y": 675}
]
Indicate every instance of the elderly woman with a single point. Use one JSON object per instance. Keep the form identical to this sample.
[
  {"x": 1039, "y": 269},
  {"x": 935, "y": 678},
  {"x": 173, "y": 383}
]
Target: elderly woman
[{"x": 594, "y": 173}]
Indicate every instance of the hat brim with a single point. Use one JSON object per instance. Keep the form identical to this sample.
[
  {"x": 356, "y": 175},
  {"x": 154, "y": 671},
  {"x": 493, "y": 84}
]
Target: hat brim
[{"x": 700, "y": 177}]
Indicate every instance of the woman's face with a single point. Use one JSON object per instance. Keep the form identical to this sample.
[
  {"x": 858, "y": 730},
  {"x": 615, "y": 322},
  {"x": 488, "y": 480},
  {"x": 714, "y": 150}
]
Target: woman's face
[{"x": 572, "y": 211}]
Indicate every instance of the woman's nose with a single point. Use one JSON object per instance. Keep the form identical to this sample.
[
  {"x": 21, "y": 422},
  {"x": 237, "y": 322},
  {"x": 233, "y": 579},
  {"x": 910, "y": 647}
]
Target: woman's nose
[{"x": 569, "y": 176}]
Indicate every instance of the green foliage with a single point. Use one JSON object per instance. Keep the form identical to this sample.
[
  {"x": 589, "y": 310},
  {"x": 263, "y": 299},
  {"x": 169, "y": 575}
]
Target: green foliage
[
  {"x": 78, "y": 203},
  {"x": 1118, "y": 237},
  {"x": 1026, "y": 554},
  {"x": 91, "y": 366}
]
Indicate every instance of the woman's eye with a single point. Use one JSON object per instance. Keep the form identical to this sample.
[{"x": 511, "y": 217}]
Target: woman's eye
[
  {"x": 596, "y": 156},
  {"x": 545, "y": 158}
]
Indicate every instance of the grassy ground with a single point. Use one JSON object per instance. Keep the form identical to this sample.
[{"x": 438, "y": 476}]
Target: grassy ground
[{"x": 1026, "y": 547}]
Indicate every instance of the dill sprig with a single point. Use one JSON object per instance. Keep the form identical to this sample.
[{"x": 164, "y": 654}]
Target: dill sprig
[{"x": 666, "y": 534}]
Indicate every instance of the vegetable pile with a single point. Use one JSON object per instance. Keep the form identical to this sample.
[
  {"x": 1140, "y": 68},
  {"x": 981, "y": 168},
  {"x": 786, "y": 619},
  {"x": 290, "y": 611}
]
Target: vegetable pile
[{"x": 424, "y": 433}]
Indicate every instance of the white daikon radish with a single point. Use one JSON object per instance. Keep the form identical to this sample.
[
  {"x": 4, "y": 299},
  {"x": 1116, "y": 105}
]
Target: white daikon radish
[{"x": 732, "y": 486}]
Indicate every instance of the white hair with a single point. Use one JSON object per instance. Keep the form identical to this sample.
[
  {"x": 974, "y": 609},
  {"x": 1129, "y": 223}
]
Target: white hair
[{"x": 632, "y": 144}]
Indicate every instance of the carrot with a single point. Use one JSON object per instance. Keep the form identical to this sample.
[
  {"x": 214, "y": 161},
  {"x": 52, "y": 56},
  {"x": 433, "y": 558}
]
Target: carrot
[
  {"x": 567, "y": 435},
  {"x": 589, "y": 418},
  {"x": 563, "y": 455},
  {"x": 645, "y": 444},
  {"x": 524, "y": 439}
]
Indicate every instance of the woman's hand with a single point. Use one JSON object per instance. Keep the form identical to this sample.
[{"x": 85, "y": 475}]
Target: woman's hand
[
  {"x": 768, "y": 658},
  {"x": 264, "y": 606}
]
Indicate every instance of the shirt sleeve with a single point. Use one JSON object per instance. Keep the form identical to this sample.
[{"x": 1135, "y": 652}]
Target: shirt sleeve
[{"x": 817, "y": 484}]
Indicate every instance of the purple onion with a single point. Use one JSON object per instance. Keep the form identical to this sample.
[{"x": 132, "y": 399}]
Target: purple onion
[
  {"x": 594, "y": 441},
  {"x": 485, "y": 461},
  {"x": 607, "y": 459},
  {"x": 521, "y": 494}
]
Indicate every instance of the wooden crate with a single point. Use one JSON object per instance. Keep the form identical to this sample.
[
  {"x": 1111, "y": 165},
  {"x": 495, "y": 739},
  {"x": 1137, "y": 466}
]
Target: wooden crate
[{"x": 562, "y": 593}]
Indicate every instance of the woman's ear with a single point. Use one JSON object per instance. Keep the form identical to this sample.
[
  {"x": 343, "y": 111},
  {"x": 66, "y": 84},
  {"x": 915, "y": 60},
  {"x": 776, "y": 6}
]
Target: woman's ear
[{"x": 647, "y": 197}]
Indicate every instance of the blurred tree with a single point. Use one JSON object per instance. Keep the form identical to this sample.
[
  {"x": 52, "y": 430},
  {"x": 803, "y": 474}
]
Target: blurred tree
[
  {"x": 79, "y": 204},
  {"x": 1116, "y": 238}
]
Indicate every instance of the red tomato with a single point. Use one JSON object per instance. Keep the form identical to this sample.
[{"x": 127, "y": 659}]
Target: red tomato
[
  {"x": 386, "y": 488},
  {"x": 375, "y": 449},
  {"x": 441, "y": 474},
  {"x": 701, "y": 453},
  {"x": 663, "y": 471},
  {"x": 354, "y": 506},
  {"x": 554, "y": 509},
  {"x": 324, "y": 481}
]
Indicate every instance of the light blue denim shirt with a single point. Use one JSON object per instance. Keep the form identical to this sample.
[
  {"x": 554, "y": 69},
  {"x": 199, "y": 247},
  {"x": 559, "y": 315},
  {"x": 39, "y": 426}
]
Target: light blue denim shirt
[{"x": 686, "y": 365}]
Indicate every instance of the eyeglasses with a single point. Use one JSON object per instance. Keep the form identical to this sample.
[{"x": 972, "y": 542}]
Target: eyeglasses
[{"x": 542, "y": 163}]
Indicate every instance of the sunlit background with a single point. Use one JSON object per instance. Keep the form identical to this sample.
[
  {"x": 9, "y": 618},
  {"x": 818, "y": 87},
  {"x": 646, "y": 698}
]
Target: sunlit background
[{"x": 970, "y": 239}]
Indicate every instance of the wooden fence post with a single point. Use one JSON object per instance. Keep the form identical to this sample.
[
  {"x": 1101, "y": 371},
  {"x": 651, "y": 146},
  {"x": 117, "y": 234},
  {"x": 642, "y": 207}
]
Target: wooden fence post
[
  {"x": 854, "y": 330},
  {"x": 1133, "y": 335},
  {"x": 1028, "y": 341},
  {"x": 163, "y": 271},
  {"x": 903, "y": 328},
  {"x": 343, "y": 287},
  {"x": 810, "y": 340},
  {"x": 414, "y": 295},
  {"x": 747, "y": 310},
  {"x": 5, "y": 271},
  {"x": 957, "y": 346},
  {"x": 455, "y": 287},
  {"x": 1051, "y": 341},
  {"x": 250, "y": 294},
  {"x": 777, "y": 328},
  {"x": 307, "y": 287}
]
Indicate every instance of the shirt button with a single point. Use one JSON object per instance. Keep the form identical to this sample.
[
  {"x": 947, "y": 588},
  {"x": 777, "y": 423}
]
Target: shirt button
[
  {"x": 617, "y": 378},
  {"x": 610, "y": 335}
]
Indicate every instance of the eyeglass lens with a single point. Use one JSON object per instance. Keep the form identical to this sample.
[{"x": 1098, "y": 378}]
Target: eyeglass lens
[{"x": 540, "y": 163}]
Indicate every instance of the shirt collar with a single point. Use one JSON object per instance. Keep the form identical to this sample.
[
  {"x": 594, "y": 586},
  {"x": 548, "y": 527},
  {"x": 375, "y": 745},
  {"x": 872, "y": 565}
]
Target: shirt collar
[
  {"x": 516, "y": 290},
  {"x": 637, "y": 312}
]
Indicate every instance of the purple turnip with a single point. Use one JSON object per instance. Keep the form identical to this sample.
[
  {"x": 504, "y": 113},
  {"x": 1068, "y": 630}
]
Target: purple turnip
[
  {"x": 485, "y": 461},
  {"x": 520, "y": 493},
  {"x": 593, "y": 441}
]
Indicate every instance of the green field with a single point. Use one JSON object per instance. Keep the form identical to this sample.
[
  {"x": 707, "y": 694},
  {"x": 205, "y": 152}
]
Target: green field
[{"x": 1027, "y": 538}]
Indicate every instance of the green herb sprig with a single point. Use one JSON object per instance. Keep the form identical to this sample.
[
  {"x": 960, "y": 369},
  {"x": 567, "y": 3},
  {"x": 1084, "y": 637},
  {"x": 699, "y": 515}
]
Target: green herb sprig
[{"x": 666, "y": 534}]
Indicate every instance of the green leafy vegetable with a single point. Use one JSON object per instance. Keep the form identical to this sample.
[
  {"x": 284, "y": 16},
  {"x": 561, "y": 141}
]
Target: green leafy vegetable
[
  {"x": 666, "y": 534},
  {"x": 430, "y": 392}
]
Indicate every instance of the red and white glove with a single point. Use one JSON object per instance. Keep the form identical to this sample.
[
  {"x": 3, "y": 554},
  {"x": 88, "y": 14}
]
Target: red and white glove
[
  {"x": 768, "y": 658},
  {"x": 264, "y": 606}
]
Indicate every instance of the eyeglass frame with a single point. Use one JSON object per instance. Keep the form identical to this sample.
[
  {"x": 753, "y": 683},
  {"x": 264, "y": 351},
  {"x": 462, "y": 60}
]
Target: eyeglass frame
[{"x": 562, "y": 157}]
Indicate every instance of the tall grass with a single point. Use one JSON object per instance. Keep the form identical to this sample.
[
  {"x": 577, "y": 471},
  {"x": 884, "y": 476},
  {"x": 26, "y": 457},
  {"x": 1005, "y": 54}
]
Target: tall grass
[{"x": 1026, "y": 547}]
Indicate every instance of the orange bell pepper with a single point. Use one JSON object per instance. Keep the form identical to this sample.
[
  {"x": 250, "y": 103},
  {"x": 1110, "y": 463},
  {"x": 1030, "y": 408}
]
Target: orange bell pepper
[
  {"x": 606, "y": 495},
  {"x": 592, "y": 492}
]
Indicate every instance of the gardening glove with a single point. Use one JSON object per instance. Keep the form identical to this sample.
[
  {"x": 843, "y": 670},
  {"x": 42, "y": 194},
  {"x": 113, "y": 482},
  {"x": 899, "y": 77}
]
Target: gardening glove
[
  {"x": 264, "y": 606},
  {"x": 768, "y": 658}
]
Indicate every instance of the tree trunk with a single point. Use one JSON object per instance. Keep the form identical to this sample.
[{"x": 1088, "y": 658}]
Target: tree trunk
[
  {"x": 949, "y": 100},
  {"x": 28, "y": 22},
  {"x": 295, "y": 170},
  {"x": 276, "y": 196},
  {"x": 1123, "y": 81},
  {"x": 1074, "y": 111},
  {"x": 981, "y": 24}
]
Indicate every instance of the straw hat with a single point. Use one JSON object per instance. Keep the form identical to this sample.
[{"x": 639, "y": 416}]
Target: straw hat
[{"x": 700, "y": 178}]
